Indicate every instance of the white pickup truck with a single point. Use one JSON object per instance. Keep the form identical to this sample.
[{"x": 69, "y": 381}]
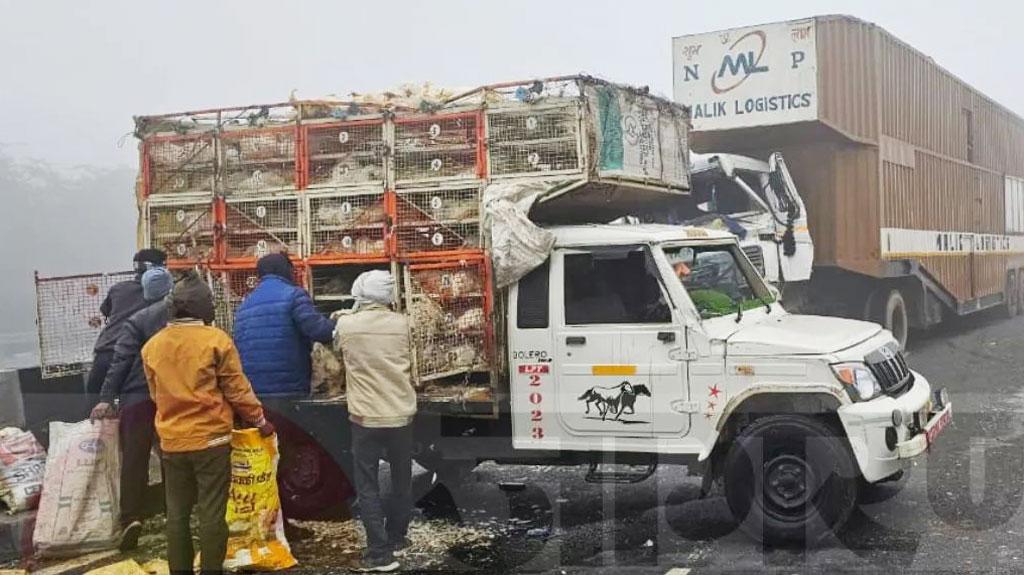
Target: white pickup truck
[{"x": 657, "y": 343}]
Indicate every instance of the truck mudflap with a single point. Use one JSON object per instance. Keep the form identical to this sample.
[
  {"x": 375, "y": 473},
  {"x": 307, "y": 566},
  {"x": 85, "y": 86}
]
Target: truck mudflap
[{"x": 918, "y": 444}]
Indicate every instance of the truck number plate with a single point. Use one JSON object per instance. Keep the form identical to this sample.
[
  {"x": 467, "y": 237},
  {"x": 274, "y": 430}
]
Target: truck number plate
[{"x": 940, "y": 424}]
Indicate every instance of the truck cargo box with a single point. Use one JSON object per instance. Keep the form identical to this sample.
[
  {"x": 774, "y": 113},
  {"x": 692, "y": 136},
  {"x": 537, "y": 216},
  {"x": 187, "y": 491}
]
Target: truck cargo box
[{"x": 900, "y": 162}]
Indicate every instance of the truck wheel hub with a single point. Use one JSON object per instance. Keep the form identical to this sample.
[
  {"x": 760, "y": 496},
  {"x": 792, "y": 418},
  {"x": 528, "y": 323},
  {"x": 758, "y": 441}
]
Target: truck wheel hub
[
  {"x": 304, "y": 469},
  {"x": 786, "y": 479}
]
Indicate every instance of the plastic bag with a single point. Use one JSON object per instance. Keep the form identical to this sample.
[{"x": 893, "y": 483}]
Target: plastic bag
[
  {"x": 255, "y": 524},
  {"x": 22, "y": 463},
  {"x": 80, "y": 507}
]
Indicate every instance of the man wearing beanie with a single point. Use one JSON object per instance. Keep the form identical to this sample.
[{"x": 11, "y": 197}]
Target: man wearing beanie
[
  {"x": 123, "y": 299},
  {"x": 126, "y": 384},
  {"x": 275, "y": 328},
  {"x": 196, "y": 381},
  {"x": 374, "y": 344}
]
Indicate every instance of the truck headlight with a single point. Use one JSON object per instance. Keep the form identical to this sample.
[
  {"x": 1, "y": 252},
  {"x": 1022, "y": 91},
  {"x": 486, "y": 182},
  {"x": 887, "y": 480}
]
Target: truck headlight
[{"x": 859, "y": 381}]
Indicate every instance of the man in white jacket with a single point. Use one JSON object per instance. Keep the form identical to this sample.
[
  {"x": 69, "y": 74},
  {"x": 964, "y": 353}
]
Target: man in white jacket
[{"x": 374, "y": 344}]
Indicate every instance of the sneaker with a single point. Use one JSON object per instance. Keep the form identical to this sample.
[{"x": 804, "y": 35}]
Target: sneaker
[
  {"x": 378, "y": 564},
  {"x": 130, "y": 536}
]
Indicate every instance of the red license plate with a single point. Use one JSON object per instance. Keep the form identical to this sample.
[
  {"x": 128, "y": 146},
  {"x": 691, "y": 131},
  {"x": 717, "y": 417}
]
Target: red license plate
[{"x": 939, "y": 425}]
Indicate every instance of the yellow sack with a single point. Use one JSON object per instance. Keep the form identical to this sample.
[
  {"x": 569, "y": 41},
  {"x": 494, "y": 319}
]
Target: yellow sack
[
  {"x": 255, "y": 523},
  {"x": 127, "y": 567}
]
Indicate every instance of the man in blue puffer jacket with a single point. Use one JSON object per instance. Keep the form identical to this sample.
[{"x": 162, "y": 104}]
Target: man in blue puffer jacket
[{"x": 275, "y": 328}]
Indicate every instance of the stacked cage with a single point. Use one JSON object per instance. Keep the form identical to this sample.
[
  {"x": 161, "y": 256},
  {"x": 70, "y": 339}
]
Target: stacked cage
[
  {"x": 449, "y": 306},
  {"x": 435, "y": 222},
  {"x": 230, "y": 285},
  {"x": 255, "y": 227},
  {"x": 257, "y": 161},
  {"x": 179, "y": 164},
  {"x": 183, "y": 229},
  {"x": 446, "y": 146},
  {"x": 542, "y": 139}
]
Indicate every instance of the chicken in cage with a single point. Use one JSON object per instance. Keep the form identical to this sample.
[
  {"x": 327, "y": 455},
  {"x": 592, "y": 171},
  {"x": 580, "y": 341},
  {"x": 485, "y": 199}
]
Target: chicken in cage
[
  {"x": 442, "y": 147},
  {"x": 180, "y": 165},
  {"x": 534, "y": 140},
  {"x": 455, "y": 206},
  {"x": 432, "y": 238},
  {"x": 352, "y": 224},
  {"x": 258, "y": 160},
  {"x": 339, "y": 155},
  {"x": 183, "y": 231},
  {"x": 257, "y": 228}
]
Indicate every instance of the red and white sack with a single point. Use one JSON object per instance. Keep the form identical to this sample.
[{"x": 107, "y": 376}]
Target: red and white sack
[
  {"x": 79, "y": 510},
  {"x": 22, "y": 462}
]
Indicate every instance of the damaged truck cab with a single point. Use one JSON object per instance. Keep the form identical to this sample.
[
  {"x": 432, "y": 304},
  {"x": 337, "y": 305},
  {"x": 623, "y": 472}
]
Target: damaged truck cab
[{"x": 665, "y": 341}]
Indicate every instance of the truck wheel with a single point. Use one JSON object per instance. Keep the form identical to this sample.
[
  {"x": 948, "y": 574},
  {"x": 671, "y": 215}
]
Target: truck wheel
[
  {"x": 1012, "y": 308},
  {"x": 888, "y": 308},
  {"x": 1020, "y": 290},
  {"x": 310, "y": 483},
  {"x": 790, "y": 479}
]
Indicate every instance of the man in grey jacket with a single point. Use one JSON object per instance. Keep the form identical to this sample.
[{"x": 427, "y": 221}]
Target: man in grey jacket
[
  {"x": 126, "y": 383},
  {"x": 374, "y": 344}
]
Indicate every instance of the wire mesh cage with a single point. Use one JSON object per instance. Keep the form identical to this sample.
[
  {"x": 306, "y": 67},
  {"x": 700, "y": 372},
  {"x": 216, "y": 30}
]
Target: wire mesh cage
[
  {"x": 257, "y": 227},
  {"x": 348, "y": 225},
  {"x": 439, "y": 147},
  {"x": 182, "y": 229},
  {"x": 179, "y": 164},
  {"x": 435, "y": 220},
  {"x": 450, "y": 319},
  {"x": 542, "y": 139},
  {"x": 259, "y": 160},
  {"x": 344, "y": 154},
  {"x": 231, "y": 286},
  {"x": 70, "y": 320},
  {"x": 331, "y": 285}
]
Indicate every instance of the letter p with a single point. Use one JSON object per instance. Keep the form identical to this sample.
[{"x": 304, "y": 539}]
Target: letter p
[{"x": 798, "y": 57}]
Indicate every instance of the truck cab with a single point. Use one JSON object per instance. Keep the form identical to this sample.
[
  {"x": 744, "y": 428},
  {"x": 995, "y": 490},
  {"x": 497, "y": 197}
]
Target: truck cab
[
  {"x": 665, "y": 340},
  {"x": 758, "y": 202}
]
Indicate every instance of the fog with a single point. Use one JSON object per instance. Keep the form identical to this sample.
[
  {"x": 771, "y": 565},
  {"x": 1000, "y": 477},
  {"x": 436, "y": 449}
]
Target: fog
[{"x": 74, "y": 73}]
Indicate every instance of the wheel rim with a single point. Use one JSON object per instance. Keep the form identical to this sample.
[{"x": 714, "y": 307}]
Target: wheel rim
[
  {"x": 898, "y": 323},
  {"x": 788, "y": 482},
  {"x": 303, "y": 471}
]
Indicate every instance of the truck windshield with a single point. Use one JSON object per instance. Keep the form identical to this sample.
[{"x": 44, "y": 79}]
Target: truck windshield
[{"x": 716, "y": 280}]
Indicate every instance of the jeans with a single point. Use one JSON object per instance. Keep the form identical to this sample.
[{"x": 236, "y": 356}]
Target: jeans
[
  {"x": 137, "y": 431},
  {"x": 199, "y": 478},
  {"x": 386, "y": 524}
]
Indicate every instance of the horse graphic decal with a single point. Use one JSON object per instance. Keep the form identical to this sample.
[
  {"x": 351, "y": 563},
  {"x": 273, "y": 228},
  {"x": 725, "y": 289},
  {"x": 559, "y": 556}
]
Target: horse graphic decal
[{"x": 614, "y": 400}]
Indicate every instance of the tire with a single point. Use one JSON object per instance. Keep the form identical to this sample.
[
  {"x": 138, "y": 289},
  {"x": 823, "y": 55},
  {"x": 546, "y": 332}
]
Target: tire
[
  {"x": 1012, "y": 307},
  {"x": 310, "y": 483},
  {"x": 1020, "y": 291},
  {"x": 790, "y": 479},
  {"x": 887, "y": 308}
]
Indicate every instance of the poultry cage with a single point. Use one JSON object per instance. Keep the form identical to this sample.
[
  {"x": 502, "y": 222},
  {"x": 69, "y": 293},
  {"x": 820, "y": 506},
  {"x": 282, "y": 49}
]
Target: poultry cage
[
  {"x": 346, "y": 225},
  {"x": 540, "y": 139},
  {"x": 341, "y": 154},
  {"x": 257, "y": 227},
  {"x": 259, "y": 160},
  {"x": 179, "y": 164},
  {"x": 434, "y": 220},
  {"x": 69, "y": 320},
  {"x": 331, "y": 285},
  {"x": 184, "y": 230},
  {"x": 440, "y": 147},
  {"x": 449, "y": 308}
]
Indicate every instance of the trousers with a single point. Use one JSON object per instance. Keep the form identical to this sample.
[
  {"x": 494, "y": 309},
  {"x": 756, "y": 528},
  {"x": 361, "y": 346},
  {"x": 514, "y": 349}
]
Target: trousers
[
  {"x": 387, "y": 522},
  {"x": 137, "y": 431},
  {"x": 201, "y": 479}
]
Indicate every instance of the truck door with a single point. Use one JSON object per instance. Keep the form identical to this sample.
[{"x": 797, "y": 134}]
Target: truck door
[
  {"x": 615, "y": 339},
  {"x": 796, "y": 249}
]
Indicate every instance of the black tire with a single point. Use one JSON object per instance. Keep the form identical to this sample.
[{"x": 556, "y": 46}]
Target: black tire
[
  {"x": 871, "y": 493},
  {"x": 1012, "y": 307},
  {"x": 311, "y": 485},
  {"x": 790, "y": 479},
  {"x": 887, "y": 308},
  {"x": 1020, "y": 291}
]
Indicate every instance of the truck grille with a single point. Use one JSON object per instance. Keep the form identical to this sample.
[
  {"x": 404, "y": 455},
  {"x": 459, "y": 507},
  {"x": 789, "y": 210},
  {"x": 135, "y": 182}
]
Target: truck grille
[
  {"x": 890, "y": 369},
  {"x": 756, "y": 257}
]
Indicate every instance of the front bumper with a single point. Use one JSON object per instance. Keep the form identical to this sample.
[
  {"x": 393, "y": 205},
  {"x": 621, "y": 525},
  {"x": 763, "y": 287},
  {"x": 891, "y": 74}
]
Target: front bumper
[{"x": 881, "y": 446}]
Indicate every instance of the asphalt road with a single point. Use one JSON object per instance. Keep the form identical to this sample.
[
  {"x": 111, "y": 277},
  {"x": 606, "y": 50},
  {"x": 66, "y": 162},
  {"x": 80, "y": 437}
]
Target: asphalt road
[{"x": 958, "y": 510}]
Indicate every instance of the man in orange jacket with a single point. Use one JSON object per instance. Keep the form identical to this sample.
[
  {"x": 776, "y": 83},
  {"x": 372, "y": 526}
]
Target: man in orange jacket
[{"x": 195, "y": 378}]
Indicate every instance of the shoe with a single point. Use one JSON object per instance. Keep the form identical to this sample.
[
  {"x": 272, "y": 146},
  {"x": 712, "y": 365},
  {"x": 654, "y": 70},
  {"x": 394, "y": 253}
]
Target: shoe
[
  {"x": 379, "y": 564},
  {"x": 401, "y": 548},
  {"x": 130, "y": 536}
]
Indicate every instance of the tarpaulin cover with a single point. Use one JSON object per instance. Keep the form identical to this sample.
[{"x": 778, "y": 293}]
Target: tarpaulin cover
[{"x": 517, "y": 244}]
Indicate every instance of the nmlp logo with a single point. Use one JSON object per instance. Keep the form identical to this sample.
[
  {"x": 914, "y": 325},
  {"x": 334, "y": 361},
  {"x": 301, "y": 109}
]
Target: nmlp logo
[{"x": 741, "y": 61}]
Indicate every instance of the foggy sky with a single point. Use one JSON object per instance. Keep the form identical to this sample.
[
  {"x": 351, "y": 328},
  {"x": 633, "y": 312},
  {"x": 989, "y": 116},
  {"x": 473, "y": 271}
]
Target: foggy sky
[{"x": 73, "y": 73}]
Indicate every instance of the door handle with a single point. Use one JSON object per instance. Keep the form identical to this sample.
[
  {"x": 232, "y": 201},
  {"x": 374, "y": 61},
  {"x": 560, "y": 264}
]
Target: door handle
[
  {"x": 667, "y": 336},
  {"x": 575, "y": 340}
]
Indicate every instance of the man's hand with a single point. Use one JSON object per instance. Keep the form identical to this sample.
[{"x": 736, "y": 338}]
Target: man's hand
[
  {"x": 103, "y": 410},
  {"x": 267, "y": 429}
]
